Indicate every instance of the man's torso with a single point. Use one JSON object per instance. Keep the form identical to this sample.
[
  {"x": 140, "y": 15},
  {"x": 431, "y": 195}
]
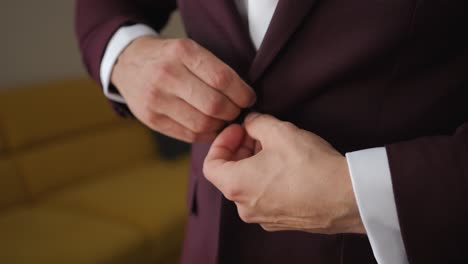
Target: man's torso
[{"x": 358, "y": 73}]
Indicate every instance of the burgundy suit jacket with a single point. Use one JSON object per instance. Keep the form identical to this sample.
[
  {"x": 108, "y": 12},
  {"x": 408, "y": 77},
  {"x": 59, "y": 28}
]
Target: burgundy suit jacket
[{"x": 361, "y": 74}]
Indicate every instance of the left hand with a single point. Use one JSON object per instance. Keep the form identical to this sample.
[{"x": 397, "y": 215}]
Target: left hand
[{"x": 283, "y": 177}]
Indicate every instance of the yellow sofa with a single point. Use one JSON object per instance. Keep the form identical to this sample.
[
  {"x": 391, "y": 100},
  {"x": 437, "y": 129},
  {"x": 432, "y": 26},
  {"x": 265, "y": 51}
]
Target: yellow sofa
[{"x": 80, "y": 185}]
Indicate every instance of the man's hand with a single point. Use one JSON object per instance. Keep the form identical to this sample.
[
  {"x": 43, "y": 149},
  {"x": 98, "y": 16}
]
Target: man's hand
[
  {"x": 283, "y": 178},
  {"x": 178, "y": 88}
]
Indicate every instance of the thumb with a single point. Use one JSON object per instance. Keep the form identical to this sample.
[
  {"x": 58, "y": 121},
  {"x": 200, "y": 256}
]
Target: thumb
[
  {"x": 261, "y": 126},
  {"x": 231, "y": 145},
  {"x": 226, "y": 144}
]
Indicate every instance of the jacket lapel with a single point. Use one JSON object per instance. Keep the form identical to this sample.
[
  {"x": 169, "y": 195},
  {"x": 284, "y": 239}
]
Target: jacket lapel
[
  {"x": 236, "y": 31},
  {"x": 287, "y": 18}
]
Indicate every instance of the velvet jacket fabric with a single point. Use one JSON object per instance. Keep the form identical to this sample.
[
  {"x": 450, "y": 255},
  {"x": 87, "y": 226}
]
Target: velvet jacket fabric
[{"x": 361, "y": 74}]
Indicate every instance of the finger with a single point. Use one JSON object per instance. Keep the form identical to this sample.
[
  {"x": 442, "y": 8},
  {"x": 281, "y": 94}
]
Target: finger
[
  {"x": 247, "y": 214},
  {"x": 266, "y": 129},
  {"x": 276, "y": 228},
  {"x": 272, "y": 227},
  {"x": 258, "y": 147},
  {"x": 269, "y": 228},
  {"x": 167, "y": 126},
  {"x": 230, "y": 166},
  {"x": 183, "y": 113},
  {"x": 226, "y": 144},
  {"x": 220, "y": 76},
  {"x": 253, "y": 145},
  {"x": 204, "y": 98},
  {"x": 219, "y": 166},
  {"x": 246, "y": 149}
]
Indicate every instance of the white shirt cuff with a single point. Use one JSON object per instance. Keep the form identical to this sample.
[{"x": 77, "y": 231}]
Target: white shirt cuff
[
  {"x": 372, "y": 184},
  {"x": 119, "y": 41}
]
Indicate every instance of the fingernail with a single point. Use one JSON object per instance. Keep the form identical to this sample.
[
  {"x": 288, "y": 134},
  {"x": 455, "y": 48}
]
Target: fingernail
[{"x": 251, "y": 116}]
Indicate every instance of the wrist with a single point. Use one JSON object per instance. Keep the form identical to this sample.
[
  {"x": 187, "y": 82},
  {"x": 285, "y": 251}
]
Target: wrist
[
  {"x": 350, "y": 220},
  {"x": 141, "y": 44},
  {"x": 136, "y": 51}
]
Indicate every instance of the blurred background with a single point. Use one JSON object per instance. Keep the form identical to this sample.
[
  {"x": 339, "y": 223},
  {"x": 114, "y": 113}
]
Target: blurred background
[{"x": 77, "y": 183}]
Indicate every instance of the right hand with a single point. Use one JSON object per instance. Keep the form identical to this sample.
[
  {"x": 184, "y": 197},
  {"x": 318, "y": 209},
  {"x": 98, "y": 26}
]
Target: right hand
[{"x": 178, "y": 88}]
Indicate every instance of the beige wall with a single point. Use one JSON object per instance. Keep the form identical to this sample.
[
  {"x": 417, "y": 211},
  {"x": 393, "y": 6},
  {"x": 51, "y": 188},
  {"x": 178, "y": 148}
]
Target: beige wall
[{"x": 37, "y": 41}]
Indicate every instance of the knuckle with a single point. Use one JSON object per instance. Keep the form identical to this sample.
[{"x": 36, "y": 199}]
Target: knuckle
[
  {"x": 325, "y": 224},
  {"x": 231, "y": 193},
  {"x": 154, "y": 97},
  {"x": 286, "y": 126},
  {"x": 267, "y": 228},
  {"x": 198, "y": 126},
  {"x": 161, "y": 73},
  {"x": 206, "y": 170},
  {"x": 190, "y": 92},
  {"x": 154, "y": 120},
  {"x": 182, "y": 46},
  {"x": 214, "y": 105},
  {"x": 191, "y": 123},
  {"x": 194, "y": 126},
  {"x": 182, "y": 133},
  {"x": 245, "y": 215},
  {"x": 205, "y": 124},
  {"x": 190, "y": 137},
  {"x": 221, "y": 78}
]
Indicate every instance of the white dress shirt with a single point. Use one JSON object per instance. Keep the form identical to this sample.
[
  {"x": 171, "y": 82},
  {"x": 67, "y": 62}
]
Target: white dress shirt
[{"x": 369, "y": 169}]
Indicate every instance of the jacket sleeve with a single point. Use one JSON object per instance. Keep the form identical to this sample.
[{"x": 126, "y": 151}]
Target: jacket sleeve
[
  {"x": 96, "y": 22},
  {"x": 430, "y": 182}
]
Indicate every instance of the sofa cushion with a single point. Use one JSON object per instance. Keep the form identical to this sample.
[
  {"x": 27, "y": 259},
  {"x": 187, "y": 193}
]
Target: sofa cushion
[
  {"x": 11, "y": 184},
  {"x": 51, "y": 165},
  {"x": 41, "y": 112},
  {"x": 42, "y": 235},
  {"x": 2, "y": 147},
  {"x": 2, "y": 141},
  {"x": 150, "y": 197}
]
